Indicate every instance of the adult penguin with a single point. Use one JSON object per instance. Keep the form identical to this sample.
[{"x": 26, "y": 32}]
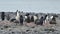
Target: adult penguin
[
  {"x": 21, "y": 19},
  {"x": 41, "y": 21},
  {"x": 32, "y": 18},
  {"x": 45, "y": 17},
  {"x": 46, "y": 21},
  {"x": 25, "y": 18},
  {"x": 53, "y": 20},
  {"x": 18, "y": 16},
  {"x": 28, "y": 19},
  {"x": 3, "y": 16},
  {"x": 35, "y": 18}
]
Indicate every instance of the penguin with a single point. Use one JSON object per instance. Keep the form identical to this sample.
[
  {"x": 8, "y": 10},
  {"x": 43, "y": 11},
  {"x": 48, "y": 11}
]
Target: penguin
[
  {"x": 2, "y": 16},
  {"x": 21, "y": 19},
  {"x": 32, "y": 18},
  {"x": 35, "y": 18},
  {"x": 53, "y": 20},
  {"x": 28, "y": 19},
  {"x": 17, "y": 16},
  {"x": 45, "y": 17},
  {"x": 41, "y": 21},
  {"x": 25, "y": 18}
]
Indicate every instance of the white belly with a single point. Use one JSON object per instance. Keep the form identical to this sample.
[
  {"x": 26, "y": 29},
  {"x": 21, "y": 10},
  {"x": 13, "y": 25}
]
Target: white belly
[
  {"x": 17, "y": 18},
  {"x": 35, "y": 18}
]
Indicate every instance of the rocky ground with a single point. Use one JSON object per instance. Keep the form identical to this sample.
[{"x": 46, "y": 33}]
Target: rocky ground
[{"x": 7, "y": 27}]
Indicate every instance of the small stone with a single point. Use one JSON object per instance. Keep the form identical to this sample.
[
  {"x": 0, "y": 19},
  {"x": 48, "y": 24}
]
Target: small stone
[
  {"x": 10, "y": 30},
  {"x": 23, "y": 32},
  {"x": 1, "y": 28},
  {"x": 9, "y": 33},
  {"x": 5, "y": 26},
  {"x": 50, "y": 30},
  {"x": 27, "y": 30},
  {"x": 13, "y": 32},
  {"x": 35, "y": 31},
  {"x": 32, "y": 27}
]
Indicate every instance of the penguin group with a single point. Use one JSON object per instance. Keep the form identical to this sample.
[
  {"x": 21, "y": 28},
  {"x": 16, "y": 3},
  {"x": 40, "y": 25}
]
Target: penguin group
[{"x": 33, "y": 18}]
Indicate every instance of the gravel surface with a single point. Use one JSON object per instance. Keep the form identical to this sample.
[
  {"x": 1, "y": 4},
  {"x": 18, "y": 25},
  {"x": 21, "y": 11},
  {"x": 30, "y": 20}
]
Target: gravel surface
[{"x": 7, "y": 27}]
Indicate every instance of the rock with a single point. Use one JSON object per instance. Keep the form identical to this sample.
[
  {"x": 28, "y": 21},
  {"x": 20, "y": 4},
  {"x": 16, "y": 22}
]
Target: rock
[
  {"x": 50, "y": 30},
  {"x": 1, "y": 28},
  {"x": 10, "y": 29},
  {"x": 9, "y": 33},
  {"x": 19, "y": 33},
  {"x": 28, "y": 30},
  {"x": 32, "y": 25},
  {"x": 13, "y": 32},
  {"x": 6, "y": 26},
  {"x": 53, "y": 22},
  {"x": 23, "y": 32}
]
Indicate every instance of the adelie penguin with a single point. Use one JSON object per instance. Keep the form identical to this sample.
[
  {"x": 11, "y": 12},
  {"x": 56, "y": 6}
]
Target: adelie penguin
[
  {"x": 32, "y": 18},
  {"x": 28, "y": 19},
  {"x": 41, "y": 21},
  {"x": 2, "y": 15},
  {"x": 21, "y": 19}
]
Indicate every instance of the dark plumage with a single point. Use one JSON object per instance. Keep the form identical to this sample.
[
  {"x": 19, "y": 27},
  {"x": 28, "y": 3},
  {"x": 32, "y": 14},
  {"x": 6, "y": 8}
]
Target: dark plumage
[
  {"x": 44, "y": 17},
  {"x": 41, "y": 21},
  {"x": 3, "y": 16},
  {"x": 28, "y": 19},
  {"x": 32, "y": 18},
  {"x": 21, "y": 19}
]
